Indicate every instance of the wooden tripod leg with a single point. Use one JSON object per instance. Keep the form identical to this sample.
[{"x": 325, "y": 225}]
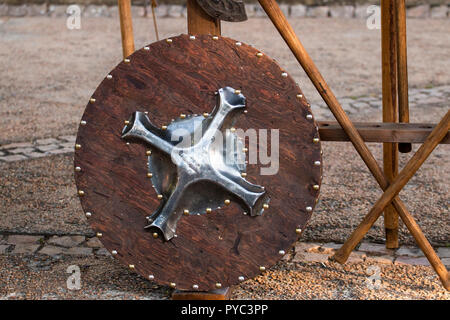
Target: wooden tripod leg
[
  {"x": 399, "y": 182},
  {"x": 126, "y": 27},
  {"x": 402, "y": 70},
  {"x": 390, "y": 110},
  {"x": 284, "y": 28}
]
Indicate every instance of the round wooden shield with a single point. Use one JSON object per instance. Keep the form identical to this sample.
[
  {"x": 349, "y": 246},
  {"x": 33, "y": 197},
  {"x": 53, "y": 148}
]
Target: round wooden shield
[{"x": 184, "y": 78}]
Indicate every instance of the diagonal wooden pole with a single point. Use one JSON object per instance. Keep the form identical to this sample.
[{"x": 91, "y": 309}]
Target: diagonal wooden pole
[
  {"x": 284, "y": 28},
  {"x": 126, "y": 27},
  {"x": 155, "y": 25},
  {"x": 396, "y": 186}
]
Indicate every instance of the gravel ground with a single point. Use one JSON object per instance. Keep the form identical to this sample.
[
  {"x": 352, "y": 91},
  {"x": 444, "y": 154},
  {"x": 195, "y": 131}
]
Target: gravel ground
[
  {"x": 49, "y": 72},
  {"x": 33, "y": 277},
  {"x": 45, "y": 95}
]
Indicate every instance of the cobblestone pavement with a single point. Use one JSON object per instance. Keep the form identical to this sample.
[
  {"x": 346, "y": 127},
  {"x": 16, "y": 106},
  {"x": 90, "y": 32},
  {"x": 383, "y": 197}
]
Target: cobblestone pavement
[
  {"x": 78, "y": 245},
  {"x": 360, "y": 106}
]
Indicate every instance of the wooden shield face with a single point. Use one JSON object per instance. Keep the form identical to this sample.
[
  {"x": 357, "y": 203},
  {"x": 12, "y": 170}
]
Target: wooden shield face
[{"x": 118, "y": 193}]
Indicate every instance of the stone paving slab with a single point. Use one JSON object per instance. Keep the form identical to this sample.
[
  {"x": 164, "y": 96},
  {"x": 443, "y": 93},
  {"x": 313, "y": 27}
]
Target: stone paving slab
[{"x": 312, "y": 252}]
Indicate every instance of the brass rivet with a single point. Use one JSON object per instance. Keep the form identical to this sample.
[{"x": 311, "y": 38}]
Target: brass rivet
[
  {"x": 208, "y": 210},
  {"x": 83, "y": 122},
  {"x": 78, "y": 146},
  {"x": 284, "y": 74},
  {"x": 309, "y": 209},
  {"x": 160, "y": 196},
  {"x": 146, "y": 48},
  {"x": 127, "y": 122},
  {"x": 316, "y": 140},
  {"x": 233, "y": 129},
  {"x": 151, "y": 277},
  {"x": 114, "y": 252},
  {"x": 215, "y": 38},
  {"x": 309, "y": 116},
  {"x": 205, "y": 114},
  {"x": 81, "y": 193},
  {"x": 109, "y": 77},
  {"x": 131, "y": 266},
  {"x": 155, "y": 235},
  {"x": 259, "y": 54},
  {"x": 78, "y": 169},
  {"x": 126, "y": 60},
  {"x": 148, "y": 153},
  {"x": 99, "y": 234},
  {"x": 173, "y": 284},
  {"x": 316, "y": 187},
  {"x": 182, "y": 116},
  {"x": 227, "y": 201},
  {"x": 164, "y": 127},
  {"x": 317, "y": 163},
  {"x": 92, "y": 100},
  {"x": 149, "y": 175},
  {"x": 169, "y": 40},
  {"x": 244, "y": 149},
  {"x": 195, "y": 286},
  {"x": 186, "y": 212},
  {"x": 237, "y": 91},
  {"x": 298, "y": 231},
  {"x": 218, "y": 285},
  {"x": 299, "y": 95},
  {"x": 282, "y": 252},
  {"x": 262, "y": 268},
  {"x": 265, "y": 206},
  {"x": 243, "y": 174},
  {"x": 88, "y": 214},
  {"x": 241, "y": 278}
]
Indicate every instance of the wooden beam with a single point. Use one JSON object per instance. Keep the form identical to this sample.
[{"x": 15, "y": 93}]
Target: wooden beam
[
  {"x": 199, "y": 22},
  {"x": 402, "y": 69},
  {"x": 126, "y": 27},
  {"x": 390, "y": 109},
  {"x": 380, "y": 132}
]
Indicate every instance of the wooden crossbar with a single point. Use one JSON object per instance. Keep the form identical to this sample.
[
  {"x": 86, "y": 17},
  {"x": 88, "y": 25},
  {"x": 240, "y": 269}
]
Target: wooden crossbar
[{"x": 380, "y": 132}]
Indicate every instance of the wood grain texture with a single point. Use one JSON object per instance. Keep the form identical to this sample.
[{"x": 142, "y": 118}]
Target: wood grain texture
[
  {"x": 390, "y": 108},
  {"x": 402, "y": 69},
  {"x": 380, "y": 132},
  {"x": 126, "y": 27},
  {"x": 181, "y": 77},
  {"x": 199, "y": 22}
]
